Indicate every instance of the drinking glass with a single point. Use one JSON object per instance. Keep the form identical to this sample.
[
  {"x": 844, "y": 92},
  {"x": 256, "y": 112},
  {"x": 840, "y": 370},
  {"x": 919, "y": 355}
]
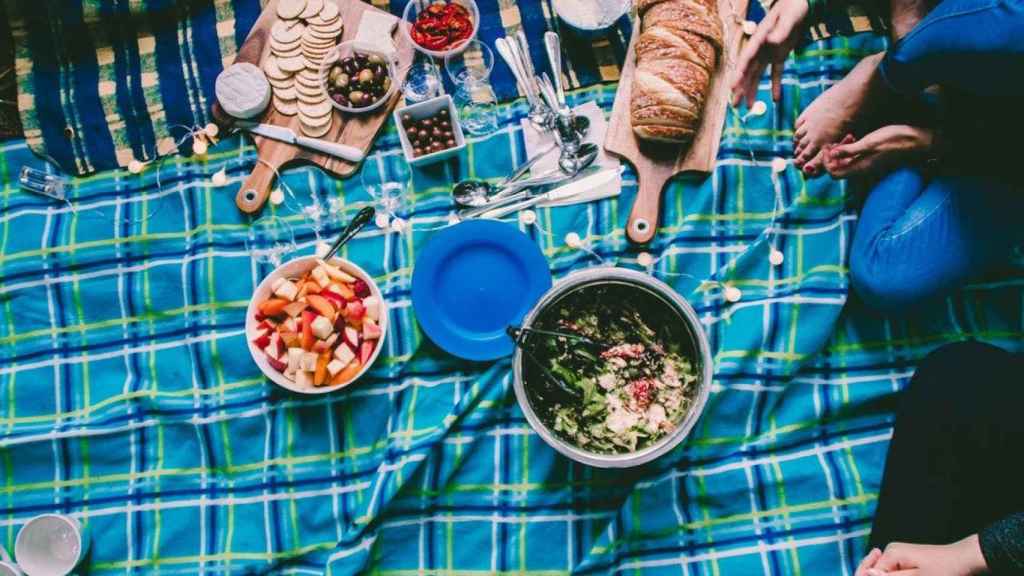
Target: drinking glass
[
  {"x": 422, "y": 83},
  {"x": 470, "y": 71},
  {"x": 472, "y": 65},
  {"x": 387, "y": 180},
  {"x": 270, "y": 238}
]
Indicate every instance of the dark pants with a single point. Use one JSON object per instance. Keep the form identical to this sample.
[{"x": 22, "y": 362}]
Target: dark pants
[{"x": 955, "y": 463}]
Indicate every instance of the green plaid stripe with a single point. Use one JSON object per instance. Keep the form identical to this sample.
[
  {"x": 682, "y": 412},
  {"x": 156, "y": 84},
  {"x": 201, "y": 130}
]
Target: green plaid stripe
[{"x": 130, "y": 401}]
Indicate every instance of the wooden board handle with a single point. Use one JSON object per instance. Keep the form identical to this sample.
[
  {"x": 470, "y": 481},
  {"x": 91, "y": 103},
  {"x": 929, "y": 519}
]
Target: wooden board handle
[
  {"x": 256, "y": 188},
  {"x": 643, "y": 220}
]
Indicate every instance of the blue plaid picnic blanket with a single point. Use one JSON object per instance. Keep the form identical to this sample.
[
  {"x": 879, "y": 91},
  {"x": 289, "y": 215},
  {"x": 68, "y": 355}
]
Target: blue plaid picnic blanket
[{"x": 128, "y": 398}]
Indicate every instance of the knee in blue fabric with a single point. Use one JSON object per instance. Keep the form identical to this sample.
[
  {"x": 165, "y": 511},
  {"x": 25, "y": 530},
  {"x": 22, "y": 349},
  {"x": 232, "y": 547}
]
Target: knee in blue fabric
[{"x": 909, "y": 246}]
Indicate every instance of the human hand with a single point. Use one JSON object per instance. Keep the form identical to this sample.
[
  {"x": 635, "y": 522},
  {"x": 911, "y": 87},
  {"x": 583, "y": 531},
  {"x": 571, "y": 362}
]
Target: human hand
[
  {"x": 961, "y": 558},
  {"x": 774, "y": 39}
]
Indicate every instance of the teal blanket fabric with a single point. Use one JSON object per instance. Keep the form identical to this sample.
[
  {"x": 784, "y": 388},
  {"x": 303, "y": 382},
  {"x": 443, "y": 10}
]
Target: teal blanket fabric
[{"x": 128, "y": 398}]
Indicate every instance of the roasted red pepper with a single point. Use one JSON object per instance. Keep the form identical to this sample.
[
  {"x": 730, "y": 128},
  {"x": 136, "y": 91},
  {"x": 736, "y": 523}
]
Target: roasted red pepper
[{"x": 442, "y": 25}]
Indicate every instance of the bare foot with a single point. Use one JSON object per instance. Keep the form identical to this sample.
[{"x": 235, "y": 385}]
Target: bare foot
[
  {"x": 834, "y": 114},
  {"x": 878, "y": 151}
]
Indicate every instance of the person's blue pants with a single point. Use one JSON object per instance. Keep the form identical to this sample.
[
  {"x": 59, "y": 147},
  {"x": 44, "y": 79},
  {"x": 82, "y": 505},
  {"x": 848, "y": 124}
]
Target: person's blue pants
[{"x": 920, "y": 237}]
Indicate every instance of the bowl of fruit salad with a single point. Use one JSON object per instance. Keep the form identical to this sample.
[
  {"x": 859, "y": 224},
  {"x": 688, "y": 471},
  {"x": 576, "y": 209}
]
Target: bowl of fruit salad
[{"x": 314, "y": 326}]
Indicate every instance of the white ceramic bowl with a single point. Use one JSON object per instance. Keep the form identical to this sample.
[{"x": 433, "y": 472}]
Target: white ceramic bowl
[
  {"x": 413, "y": 8},
  {"x": 292, "y": 269},
  {"x": 572, "y": 20},
  {"x": 344, "y": 50},
  {"x": 426, "y": 109}
]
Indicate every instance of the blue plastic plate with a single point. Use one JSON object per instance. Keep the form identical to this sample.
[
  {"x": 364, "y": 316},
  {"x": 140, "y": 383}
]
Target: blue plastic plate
[{"x": 472, "y": 281}]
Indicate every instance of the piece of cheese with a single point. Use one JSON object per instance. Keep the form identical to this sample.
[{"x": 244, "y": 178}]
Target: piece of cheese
[
  {"x": 375, "y": 32},
  {"x": 242, "y": 90}
]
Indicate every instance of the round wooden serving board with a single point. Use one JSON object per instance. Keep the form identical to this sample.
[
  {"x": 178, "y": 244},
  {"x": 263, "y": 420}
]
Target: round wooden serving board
[
  {"x": 356, "y": 130},
  {"x": 656, "y": 162}
]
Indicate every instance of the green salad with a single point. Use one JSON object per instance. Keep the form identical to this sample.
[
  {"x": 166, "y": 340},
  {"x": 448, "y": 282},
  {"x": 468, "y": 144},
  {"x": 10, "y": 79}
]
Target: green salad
[{"x": 626, "y": 388}]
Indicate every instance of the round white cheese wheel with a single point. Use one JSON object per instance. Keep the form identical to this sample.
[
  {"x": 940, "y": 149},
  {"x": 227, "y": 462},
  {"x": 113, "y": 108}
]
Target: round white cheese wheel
[{"x": 242, "y": 90}]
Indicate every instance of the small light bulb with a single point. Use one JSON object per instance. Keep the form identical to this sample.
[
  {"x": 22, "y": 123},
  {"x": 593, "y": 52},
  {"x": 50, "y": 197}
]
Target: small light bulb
[
  {"x": 211, "y": 130},
  {"x": 382, "y": 221},
  {"x": 528, "y": 217},
  {"x": 572, "y": 240},
  {"x": 758, "y": 108},
  {"x": 276, "y": 197},
  {"x": 135, "y": 167},
  {"x": 776, "y": 257},
  {"x": 644, "y": 259},
  {"x": 199, "y": 147},
  {"x": 398, "y": 225},
  {"x": 778, "y": 165},
  {"x": 220, "y": 178},
  {"x": 733, "y": 294},
  {"x": 749, "y": 27}
]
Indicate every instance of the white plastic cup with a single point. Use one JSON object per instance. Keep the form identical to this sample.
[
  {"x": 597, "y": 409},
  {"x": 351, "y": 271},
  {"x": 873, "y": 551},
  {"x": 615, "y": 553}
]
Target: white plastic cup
[
  {"x": 7, "y": 566},
  {"x": 51, "y": 545}
]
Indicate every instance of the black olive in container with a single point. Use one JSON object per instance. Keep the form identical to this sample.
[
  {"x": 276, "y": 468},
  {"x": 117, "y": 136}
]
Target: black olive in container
[{"x": 430, "y": 130}]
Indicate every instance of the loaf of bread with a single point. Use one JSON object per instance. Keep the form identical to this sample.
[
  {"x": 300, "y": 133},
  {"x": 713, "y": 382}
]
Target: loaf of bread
[{"x": 676, "y": 55}]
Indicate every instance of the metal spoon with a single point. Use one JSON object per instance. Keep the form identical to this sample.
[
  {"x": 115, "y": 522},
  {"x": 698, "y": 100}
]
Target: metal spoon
[
  {"x": 361, "y": 219},
  {"x": 588, "y": 153},
  {"x": 477, "y": 192}
]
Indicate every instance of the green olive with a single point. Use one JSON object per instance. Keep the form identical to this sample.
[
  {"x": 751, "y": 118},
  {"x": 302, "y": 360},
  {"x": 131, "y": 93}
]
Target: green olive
[
  {"x": 357, "y": 98},
  {"x": 375, "y": 59},
  {"x": 365, "y": 76}
]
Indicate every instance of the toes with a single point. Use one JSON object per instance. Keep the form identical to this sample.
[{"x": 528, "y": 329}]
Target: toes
[
  {"x": 814, "y": 166},
  {"x": 809, "y": 151}
]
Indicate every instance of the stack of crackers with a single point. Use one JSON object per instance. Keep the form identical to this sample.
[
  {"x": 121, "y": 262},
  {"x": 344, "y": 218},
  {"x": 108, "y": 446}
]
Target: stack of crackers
[{"x": 306, "y": 32}]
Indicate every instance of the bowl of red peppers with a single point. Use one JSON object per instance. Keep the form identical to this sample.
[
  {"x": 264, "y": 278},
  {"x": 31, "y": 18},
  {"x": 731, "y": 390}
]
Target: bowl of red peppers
[{"x": 440, "y": 27}]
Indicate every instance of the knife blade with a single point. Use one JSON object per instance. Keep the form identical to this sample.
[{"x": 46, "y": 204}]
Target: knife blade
[{"x": 287, "y": 135}]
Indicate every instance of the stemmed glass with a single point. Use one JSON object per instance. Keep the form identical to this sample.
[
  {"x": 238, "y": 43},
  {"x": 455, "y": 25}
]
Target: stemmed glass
[
  {"x": 387, "y": 179},
  {"x": 270, "y": 238},
  {"x": 470, "y": 71}
]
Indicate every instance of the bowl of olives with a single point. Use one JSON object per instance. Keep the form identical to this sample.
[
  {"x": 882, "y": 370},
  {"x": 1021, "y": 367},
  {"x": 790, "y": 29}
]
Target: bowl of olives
[
  {"x": 429, "y": 130},
  {"x": 357, "y": 79}
]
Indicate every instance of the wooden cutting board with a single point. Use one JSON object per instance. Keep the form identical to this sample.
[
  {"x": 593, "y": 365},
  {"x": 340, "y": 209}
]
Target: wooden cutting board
[
  {"x": 356, "y": 130},
  {"x": 656, "y": 163}
]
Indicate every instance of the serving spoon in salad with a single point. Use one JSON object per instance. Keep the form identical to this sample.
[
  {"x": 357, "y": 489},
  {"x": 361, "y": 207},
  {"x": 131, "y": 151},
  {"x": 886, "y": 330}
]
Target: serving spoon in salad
[{"x": 519, "y": 337}]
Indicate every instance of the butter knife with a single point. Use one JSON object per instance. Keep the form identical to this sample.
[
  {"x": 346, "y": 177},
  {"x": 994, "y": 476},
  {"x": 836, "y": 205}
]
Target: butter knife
[
  {"x": 561, "y": 193},
  {"x": 282, "y": 134}
]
